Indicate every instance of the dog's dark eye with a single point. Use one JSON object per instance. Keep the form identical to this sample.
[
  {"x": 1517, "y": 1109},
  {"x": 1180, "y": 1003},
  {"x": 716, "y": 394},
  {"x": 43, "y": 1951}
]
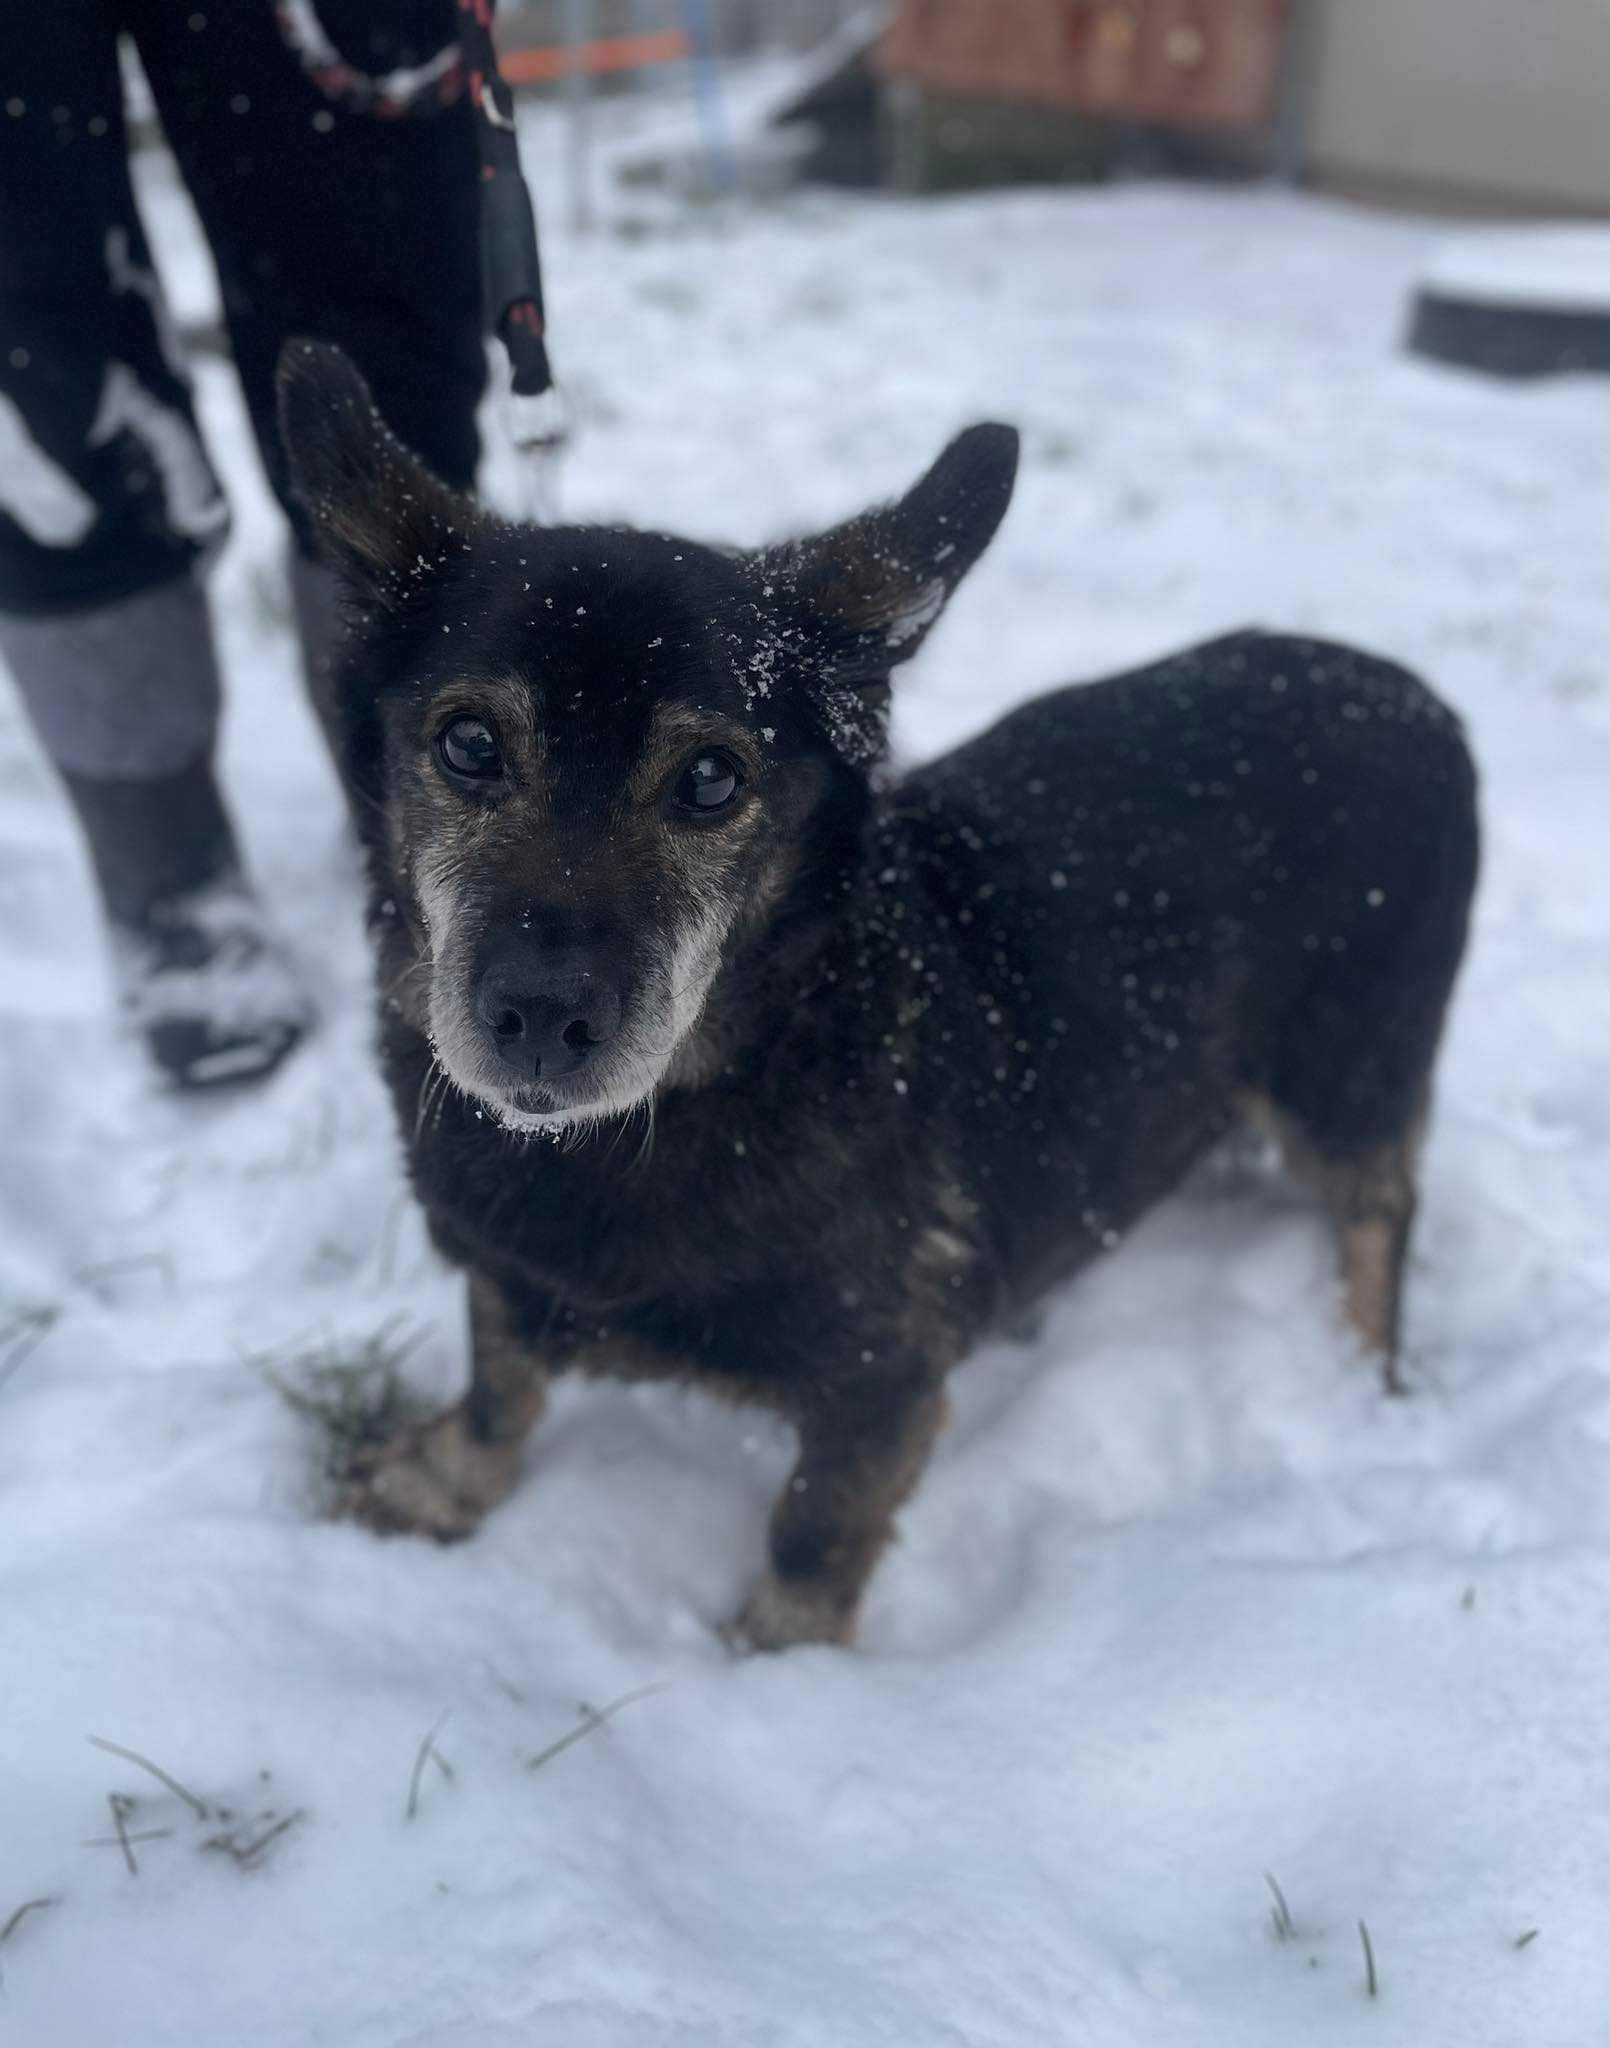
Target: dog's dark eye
[
  {"x": 469, "y": 748},
  {"x": 708, "y": 783}
]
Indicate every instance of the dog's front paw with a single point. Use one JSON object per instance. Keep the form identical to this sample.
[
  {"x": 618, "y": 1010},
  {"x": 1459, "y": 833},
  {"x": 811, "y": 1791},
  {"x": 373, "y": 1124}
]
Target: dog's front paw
[
  {"x": 780, "y": 1613},
  {"x": 429, "y": 1479}
]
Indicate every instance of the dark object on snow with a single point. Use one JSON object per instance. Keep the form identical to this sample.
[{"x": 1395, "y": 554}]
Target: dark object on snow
[
  {"x": 718, "y": 1059},
  {"x": 1509, "y": 338},
  {"x": 1532, "y": 301}
]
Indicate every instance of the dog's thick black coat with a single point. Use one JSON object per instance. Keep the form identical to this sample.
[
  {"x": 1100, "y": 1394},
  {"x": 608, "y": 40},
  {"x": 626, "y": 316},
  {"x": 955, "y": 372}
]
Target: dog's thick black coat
[{"x": 965, "y": 1026}]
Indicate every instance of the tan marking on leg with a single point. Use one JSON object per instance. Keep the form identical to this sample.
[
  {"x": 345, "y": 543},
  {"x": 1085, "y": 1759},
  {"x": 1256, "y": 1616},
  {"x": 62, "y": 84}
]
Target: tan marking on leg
[
  {"x": 1372, "y": 1278},
  {"x": 780, "y": 1614},
  {"x": 508, "y": 1380},
  {"x": 838, "y": 1508},
  {"x": 1371, "y": 1201}
]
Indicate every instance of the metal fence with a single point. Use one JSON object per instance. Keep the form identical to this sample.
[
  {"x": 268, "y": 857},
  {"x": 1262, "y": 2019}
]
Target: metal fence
[{"x": 737, "y": 26}]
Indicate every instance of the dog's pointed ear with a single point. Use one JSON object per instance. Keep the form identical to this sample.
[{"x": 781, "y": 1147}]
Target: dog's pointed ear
[
  {"x": 870, "y": 589},
  {"x": 377, "y": 515}
]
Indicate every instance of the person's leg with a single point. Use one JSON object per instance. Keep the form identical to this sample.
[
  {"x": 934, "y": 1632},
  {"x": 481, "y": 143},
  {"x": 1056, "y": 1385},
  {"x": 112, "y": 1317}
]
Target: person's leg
[
  {"x": 333, "y": 224},
  {"x": 108, "y": 508},
  {"x": 316, "y": 607}
]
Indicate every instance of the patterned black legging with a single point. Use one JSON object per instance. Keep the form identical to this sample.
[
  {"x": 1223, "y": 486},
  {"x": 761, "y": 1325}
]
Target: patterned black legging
[{"x": 322, "y": 221}]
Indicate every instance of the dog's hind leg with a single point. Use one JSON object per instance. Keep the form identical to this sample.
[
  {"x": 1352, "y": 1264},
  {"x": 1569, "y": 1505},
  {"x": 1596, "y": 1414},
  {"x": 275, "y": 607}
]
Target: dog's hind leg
[
  {"x": 1369, "y": 1196},
  {"x": 1371, "y": 1200},
  {"x": 440, "y": 1477}
]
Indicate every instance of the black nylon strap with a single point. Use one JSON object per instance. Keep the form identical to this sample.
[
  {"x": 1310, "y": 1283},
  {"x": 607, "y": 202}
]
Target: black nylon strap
[{"x": 511, "y": 274}]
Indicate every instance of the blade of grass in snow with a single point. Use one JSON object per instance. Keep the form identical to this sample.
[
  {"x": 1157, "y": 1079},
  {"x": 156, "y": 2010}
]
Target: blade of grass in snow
[
  {"x": 15, "y": 1919},
  {"x": 1280, "y": 1912},
  {"x": 427, "y": 1748},
  {"x": 1371, "y": 1981},
  {"x": 121, "y": 1808},
  {"x": 592, "y": 1717},
  {"x": 197, "y": 1806}
]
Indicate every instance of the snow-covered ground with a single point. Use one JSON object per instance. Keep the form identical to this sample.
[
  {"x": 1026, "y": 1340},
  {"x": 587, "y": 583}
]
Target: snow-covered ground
[{"x": 1182, "y": 1600}]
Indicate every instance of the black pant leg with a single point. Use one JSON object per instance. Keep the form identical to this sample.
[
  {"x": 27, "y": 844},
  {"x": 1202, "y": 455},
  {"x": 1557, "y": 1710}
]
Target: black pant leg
[
  {"x": 105, "y": 490},
  {"x": 327, "y": 222}
]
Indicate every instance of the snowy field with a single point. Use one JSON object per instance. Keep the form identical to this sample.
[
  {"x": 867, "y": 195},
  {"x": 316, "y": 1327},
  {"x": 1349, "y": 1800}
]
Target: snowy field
[{"x": 1182, "y": 1600}]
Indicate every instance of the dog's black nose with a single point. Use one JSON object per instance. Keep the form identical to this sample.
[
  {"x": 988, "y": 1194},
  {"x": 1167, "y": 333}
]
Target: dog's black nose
[{"x": 548, "y": 1012}]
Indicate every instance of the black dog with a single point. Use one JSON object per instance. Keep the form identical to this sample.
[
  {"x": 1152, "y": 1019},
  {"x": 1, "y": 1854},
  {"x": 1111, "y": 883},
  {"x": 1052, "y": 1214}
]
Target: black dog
[{"x": 720, "y": 1057}]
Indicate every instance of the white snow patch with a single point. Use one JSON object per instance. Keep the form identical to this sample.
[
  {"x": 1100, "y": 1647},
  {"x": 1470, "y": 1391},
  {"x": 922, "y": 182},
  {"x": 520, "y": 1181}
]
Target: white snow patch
[{"x": 1566, "y": 267}]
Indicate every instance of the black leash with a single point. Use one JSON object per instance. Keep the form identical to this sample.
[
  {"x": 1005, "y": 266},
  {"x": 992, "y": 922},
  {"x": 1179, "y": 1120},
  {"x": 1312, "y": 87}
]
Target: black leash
[{"x": 511, "y": 275}]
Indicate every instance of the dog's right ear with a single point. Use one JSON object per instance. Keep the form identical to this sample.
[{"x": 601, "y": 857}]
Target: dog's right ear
[
  {"x": 866, "y": 592},
  {"x": 378, "y": 516}
]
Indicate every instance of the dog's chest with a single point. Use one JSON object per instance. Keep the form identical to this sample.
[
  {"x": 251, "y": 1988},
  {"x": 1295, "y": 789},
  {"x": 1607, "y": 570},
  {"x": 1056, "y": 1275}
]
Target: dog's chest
[{"x": 729, "y": 1188}]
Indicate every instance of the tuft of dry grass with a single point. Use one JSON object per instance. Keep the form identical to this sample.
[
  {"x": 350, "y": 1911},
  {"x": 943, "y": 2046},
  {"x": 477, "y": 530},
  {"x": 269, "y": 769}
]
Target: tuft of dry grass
[
  {"x": 350, "y": 1391},
  {"x": 246, "y": 1841},
  {"x": 244, "y": 1838}
]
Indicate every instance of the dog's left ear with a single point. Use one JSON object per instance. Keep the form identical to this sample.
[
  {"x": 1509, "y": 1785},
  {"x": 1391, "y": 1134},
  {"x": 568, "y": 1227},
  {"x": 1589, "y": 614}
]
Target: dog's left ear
[
  {"x": 379, "y": 518},
  {"x": 870, "y": 589}
]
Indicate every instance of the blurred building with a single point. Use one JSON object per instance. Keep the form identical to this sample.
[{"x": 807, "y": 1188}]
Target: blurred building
[{"x": 1475, "y": 105}]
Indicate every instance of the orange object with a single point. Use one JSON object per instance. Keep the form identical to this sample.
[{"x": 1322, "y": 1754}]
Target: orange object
[
  {"x": 1178, "y": 63},
  {"x": 610, "y": 53}
]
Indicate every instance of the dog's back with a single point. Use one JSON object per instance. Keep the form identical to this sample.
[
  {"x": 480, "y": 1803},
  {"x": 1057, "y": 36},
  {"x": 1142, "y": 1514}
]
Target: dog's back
[{"x": 1242, "y": 873}]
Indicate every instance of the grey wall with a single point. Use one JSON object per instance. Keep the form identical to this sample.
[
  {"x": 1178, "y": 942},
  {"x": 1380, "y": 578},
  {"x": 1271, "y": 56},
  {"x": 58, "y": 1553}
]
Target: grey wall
[{"x": 1481, "y": 99}]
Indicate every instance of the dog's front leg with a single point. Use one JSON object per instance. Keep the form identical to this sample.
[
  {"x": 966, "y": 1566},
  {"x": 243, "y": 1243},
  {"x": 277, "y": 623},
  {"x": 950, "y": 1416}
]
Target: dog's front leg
[
  {"x": 860, "y": 1454},
  {"x": 439, "y": 1478}
]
